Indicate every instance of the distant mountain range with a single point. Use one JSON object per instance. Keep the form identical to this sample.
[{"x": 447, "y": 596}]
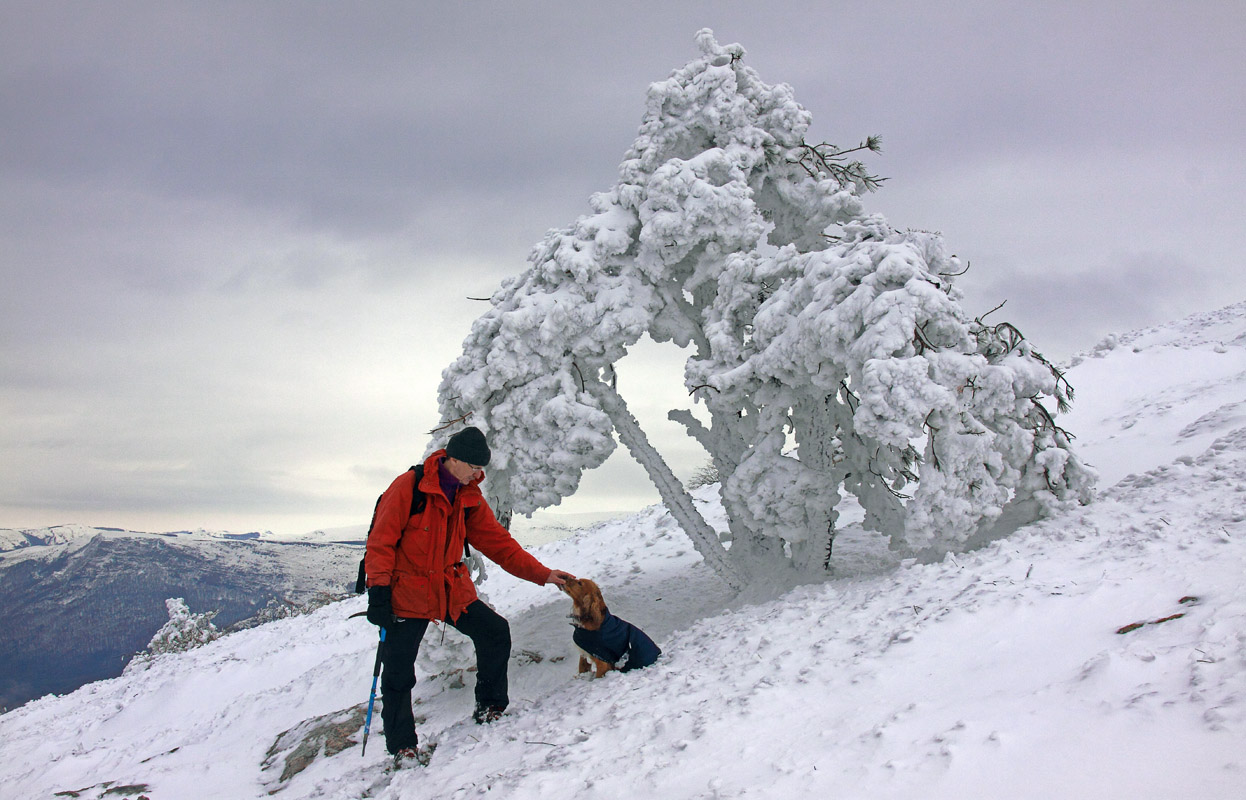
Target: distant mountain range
[{"x": 77, "y": 602}]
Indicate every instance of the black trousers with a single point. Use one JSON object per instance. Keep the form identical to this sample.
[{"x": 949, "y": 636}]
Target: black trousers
[{"x": 491, "y": 635}]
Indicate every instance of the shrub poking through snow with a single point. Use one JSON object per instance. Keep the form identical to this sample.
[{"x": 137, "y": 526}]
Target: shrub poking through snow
[{"x": 829, "y": 349}]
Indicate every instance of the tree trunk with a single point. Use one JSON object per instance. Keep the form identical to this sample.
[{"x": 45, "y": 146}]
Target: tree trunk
[
  {"x": 725, "y": 453},
  {"x": 677, "y": 500}
]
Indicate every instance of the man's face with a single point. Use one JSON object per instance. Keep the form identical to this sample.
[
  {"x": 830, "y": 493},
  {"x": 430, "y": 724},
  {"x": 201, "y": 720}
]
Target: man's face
[{"x": 463, "y": 472}]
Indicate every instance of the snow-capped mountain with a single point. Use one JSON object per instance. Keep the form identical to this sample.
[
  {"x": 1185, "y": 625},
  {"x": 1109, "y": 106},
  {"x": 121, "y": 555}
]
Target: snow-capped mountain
[
  {"x": 78, "y": 601},
  {"x": 1098, "y": 654}
]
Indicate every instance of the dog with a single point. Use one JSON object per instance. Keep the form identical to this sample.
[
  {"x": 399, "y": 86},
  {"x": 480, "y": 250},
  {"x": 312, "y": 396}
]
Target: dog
[{"x": 606, "y": 642}]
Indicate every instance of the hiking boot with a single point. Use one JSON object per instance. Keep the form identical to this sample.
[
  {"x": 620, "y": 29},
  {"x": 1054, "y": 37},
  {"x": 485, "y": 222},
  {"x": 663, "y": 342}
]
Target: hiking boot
[
  {"x": 414, "y": 756},
  {"x": 483, "y": 715}
]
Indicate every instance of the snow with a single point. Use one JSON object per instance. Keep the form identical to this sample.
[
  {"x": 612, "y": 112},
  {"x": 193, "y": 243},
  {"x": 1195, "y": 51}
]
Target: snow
[{"x": 998, "y": 672}]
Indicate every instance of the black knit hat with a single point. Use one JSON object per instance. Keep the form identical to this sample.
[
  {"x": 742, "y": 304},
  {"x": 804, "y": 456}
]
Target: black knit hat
[{"x": 469, "y": 445}]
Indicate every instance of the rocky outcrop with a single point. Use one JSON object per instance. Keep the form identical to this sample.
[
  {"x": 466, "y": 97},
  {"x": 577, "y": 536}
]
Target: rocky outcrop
[{"x": 320, "y": 737}]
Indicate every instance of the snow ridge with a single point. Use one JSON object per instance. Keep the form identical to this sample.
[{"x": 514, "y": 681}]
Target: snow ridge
[{"x": 1221, "y": 328}]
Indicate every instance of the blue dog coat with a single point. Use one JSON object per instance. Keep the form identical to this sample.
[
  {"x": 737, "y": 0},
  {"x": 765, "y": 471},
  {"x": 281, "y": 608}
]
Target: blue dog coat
[{"x": 618, "y": 642}]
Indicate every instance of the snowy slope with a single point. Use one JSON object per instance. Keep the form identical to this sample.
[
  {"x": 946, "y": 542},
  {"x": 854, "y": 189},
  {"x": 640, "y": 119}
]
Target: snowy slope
[
  {"x": 1149, "y": 397},
  {"x": 994, "y": 673}
]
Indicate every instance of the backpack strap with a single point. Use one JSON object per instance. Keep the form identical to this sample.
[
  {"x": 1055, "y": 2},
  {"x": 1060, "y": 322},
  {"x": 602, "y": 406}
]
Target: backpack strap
[
  {"x": 361, "y": 580},
  {"x": 419, "y": 501}
]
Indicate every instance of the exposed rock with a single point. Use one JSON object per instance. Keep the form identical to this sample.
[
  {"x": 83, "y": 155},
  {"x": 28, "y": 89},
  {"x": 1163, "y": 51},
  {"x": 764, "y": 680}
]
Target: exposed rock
[
  {"x": 294, "y": 750},
  {"x": 109, "y": 790}
]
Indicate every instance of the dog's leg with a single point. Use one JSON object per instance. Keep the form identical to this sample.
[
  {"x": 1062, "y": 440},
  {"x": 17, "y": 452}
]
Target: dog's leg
[
  {"x": 584, "y": 666},
  {"x": 602, "y": 667}
]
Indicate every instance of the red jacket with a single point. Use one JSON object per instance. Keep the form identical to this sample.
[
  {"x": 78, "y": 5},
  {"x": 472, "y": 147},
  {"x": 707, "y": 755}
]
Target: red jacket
[{"x": 421, "y": 557}]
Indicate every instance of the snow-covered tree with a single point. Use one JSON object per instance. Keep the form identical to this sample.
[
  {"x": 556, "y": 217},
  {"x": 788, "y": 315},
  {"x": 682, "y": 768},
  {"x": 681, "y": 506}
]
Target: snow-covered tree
[
  {"x": 184, "y": 631},
  {"x": 862, "y": 351},
  {"x": 809, "y": 322}
]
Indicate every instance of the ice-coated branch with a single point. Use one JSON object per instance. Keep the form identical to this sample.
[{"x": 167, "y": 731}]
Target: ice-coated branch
[
  {"x": 674, "y": 496},
  {"x": 695, "y": 428}
]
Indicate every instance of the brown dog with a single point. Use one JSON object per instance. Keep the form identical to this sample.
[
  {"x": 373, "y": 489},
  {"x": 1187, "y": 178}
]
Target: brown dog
[{"x": 606, "y": 642}]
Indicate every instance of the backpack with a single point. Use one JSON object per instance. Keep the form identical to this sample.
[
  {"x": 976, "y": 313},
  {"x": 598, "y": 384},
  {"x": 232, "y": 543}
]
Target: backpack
[{"x": 418, "y": 501}]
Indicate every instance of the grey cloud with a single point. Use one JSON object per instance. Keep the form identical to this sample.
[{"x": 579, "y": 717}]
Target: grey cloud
[
  {"x": 237, "y": 239},
  {"x": 1064, "y": 314},
  {"x": 344, "y": 119}
]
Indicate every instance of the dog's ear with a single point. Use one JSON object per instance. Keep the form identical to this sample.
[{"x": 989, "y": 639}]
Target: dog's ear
[{"x": 594, "y": 604}]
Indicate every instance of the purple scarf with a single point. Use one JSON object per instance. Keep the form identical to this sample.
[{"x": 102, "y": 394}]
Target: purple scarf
[{"x": 449, "y": 483}]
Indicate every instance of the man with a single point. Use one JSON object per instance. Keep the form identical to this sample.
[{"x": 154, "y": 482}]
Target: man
[{"x": 416, "y": 575}]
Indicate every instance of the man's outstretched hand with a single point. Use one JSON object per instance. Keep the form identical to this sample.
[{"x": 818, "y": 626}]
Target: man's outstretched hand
[{"x": 558, "y": 577}]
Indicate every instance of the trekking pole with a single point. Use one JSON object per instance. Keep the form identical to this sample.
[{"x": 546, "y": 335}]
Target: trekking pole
[{"x": 376, "y": 673}]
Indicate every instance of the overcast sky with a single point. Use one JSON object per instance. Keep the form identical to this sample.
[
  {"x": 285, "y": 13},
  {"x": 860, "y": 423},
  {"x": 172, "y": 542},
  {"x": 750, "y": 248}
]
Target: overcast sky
[{"x": 237, "y": 240}]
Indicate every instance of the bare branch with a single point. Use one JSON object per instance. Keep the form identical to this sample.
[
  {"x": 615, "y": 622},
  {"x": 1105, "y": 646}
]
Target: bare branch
[
  {"x": 962, "y": 272},
  {"x": 887, "y": 485},
  {"x": 451, "y": 423},
  {"x": 828, "y": 159},
  {"x": 934, "y": 453},
  {"x": 830, "y": 544},
  {"x": 992, "y": 311},
  {"x": 849, "y": 397},
  {"x": 1050, "y": 423},
  {"x": 919, "y": 333}
]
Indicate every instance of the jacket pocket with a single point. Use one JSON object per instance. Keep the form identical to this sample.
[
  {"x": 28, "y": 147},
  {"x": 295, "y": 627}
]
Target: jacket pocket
[
  {"x": 412, "y": 596},
  {"x": 416, "y": 543},
  {"x": 462, "y": 590}
]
